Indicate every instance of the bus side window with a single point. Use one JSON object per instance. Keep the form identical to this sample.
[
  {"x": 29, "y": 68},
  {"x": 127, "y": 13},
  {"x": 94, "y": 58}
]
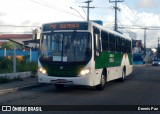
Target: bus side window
[
  {"x": 123, "y": 45},
  {"x": 112, "y": 42},
  {"x": 104, "y": 37},
  {"x": 129, "y": 47},
  {"x": 118, "y": 44}
]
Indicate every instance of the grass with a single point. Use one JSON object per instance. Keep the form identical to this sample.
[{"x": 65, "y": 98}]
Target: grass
[
  {"x": 7, "y": 80},
  {"x": 4, "y": 80},
  {"x": 28, "y": 66},
  {"x": 6, "y": 65},
  {"x": 22, "y": 65}
]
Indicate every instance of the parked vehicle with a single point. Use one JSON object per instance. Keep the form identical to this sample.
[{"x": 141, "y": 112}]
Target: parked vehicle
[{"x": 156, "y": 62}]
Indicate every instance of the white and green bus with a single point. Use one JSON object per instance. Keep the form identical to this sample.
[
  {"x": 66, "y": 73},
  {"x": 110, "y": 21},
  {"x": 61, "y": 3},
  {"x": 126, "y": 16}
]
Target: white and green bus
[{"x": 82, "y": 53}]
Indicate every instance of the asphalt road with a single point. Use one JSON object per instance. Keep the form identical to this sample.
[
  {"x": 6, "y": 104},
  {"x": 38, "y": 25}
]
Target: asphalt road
[{"x": 142, "y": 87}]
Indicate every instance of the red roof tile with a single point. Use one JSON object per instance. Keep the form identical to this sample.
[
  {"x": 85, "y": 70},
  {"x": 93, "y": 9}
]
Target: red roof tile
[
  {"x": 2, "y": 43},
  {"x": 15, "y": 36}
]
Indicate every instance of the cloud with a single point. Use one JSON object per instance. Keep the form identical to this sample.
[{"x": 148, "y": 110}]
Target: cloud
[
  {"x": 132, "y": 17},
  {"x": 149, "y": 19},
  {"x": 2, "y": 14},
  {"x": 147, "y": 3}
]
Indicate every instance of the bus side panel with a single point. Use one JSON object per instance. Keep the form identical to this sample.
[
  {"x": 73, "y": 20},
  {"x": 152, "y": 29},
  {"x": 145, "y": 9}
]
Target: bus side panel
[
  {"x": 108, "y": 59},
  {"x": 127, "y": 62},
  {"x": 114, "y": 62},
  {"x": 114, "y": 73}
]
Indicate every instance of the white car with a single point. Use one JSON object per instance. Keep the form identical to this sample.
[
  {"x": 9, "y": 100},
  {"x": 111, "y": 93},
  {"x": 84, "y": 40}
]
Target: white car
[{"x": 156, "y": 62}]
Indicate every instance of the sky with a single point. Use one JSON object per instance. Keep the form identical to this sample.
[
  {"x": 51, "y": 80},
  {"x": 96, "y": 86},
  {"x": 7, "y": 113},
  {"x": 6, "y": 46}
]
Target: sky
[{"x": 142, "y": 13}]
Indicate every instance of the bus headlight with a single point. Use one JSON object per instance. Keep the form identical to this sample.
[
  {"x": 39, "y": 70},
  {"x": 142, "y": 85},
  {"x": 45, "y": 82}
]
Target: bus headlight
[
  {"x": 42, "y": 70},
  {"x": 85, "y": 71}
]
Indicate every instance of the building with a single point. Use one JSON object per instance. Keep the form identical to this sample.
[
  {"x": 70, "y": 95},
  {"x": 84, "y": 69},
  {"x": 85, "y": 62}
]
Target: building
[{"x": 19, "y": 40}]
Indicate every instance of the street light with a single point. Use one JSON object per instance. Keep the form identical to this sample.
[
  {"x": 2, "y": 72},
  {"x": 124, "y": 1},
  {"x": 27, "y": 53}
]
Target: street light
[{"x": 78, "y": 12}]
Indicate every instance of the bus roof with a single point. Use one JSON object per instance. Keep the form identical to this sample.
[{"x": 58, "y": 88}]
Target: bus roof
[
  {"x": 109, "y": 31},
  {"x": 77, "y": 25}
]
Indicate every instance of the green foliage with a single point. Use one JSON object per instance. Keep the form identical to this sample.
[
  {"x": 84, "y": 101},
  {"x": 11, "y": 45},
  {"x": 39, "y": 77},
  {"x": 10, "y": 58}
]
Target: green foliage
[
  {"x": 7, "y": 45},
  {"x": 6, "y": 65},
  {"x": 4, "y": 80},
  {"x": 158, "y": 52},
  {"x": 7, "y": 80},
  {"x": 17, "y": 79},
  {"x": 28, "y": 66}
]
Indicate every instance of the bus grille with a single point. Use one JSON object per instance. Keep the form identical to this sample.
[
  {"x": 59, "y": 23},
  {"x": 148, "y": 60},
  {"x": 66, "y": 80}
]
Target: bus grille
[{"x": 63, "y": 71}]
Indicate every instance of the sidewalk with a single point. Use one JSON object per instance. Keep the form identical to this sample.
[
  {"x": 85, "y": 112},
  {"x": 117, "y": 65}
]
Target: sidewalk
[
  {"x": 19, "y": 84},
  {"x": 140, "y": 65}
]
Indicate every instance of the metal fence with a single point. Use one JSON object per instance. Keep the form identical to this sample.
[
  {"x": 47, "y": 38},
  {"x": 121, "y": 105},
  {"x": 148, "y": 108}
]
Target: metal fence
[{"x": 33, "y": 55}]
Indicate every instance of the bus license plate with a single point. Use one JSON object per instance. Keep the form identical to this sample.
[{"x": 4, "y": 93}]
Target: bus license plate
[{"x": 61, "y": 81}]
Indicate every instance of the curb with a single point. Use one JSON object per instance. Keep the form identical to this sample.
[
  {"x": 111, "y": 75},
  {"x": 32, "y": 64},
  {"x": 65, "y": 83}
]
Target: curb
[
  {"x": 16, "y": 75},
  {"x": 15, "y": 89}
]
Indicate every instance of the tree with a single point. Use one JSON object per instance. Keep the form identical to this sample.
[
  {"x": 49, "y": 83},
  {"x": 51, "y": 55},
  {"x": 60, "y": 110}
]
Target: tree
[
  {"x": 158, "y": 52},
  {"x": 7, "y": 45}
]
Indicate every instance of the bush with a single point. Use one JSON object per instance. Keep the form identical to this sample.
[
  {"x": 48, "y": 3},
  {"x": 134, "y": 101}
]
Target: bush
[
  {"x": 28, "y": 66},
  {"x": 4, "y": 80},
  {"x": 6, "y": 65}
]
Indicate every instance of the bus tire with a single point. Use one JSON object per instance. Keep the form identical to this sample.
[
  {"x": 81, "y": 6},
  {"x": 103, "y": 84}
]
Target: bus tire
[
  {"x": 122, "y": 79},
  {"x": 59, "y": 86},
  {"x": 102, "y": 84}
]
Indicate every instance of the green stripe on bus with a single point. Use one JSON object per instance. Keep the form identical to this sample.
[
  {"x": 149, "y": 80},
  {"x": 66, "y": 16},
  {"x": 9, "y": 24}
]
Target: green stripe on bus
[{"x": 110, "y": 59}]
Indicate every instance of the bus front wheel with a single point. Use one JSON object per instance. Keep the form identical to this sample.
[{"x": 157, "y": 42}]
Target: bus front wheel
[{"x": 102, "y": 84}]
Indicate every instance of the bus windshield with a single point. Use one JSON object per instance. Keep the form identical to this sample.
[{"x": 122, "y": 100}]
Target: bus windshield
[{"x": 66, "y": 46}]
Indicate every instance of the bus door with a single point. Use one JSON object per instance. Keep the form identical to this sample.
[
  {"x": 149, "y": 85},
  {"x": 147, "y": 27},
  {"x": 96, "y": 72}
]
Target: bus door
[{"x": 97, "y": 42}]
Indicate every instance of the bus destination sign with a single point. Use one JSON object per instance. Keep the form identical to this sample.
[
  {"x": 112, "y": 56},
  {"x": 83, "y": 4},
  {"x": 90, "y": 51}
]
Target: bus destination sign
[{"x": 65, "y": 26}]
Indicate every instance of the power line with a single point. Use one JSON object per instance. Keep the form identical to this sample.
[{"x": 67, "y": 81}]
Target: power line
[
  {"x": 27, "y": 32},
  {"x": 17, "y": 26},
  {"x": 77, "y": 12},
  {"x": 83, "y": 11},
  {"x": 139, "y": 27},
  {"x": 132, "y": 13},
  {"x": 125, "y": 29},
  {"x": 127, "y": 17},
  {"x": 145, "y": 34},
  {"x": 55, "y": 8}
]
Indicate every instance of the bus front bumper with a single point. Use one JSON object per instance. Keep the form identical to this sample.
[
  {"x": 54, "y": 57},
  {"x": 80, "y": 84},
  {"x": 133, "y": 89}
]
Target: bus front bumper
[{"x": 79, "y": 80}]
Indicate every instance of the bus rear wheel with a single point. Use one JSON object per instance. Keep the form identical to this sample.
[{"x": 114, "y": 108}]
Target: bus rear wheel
[
  {"x": 59, "y": 86},
  {"x": 102, "y": 84}
]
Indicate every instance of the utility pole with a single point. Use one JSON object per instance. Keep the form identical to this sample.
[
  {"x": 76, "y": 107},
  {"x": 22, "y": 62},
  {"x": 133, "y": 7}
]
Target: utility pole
[
  {"x": 14, "y": 58},
  {"x": 158, "y": 48},
  {"x": 159, "y": 42},
  {"x": 116, "y": 8},
  {"x": 145, "y": 36},
  {"x": 88, "y": 7}
]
